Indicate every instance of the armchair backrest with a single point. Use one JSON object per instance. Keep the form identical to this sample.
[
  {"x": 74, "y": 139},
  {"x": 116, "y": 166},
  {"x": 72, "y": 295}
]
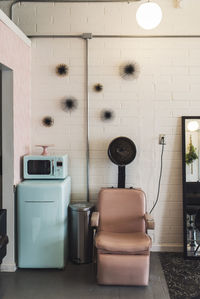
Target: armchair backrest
[{"x": 121, "y": 210}]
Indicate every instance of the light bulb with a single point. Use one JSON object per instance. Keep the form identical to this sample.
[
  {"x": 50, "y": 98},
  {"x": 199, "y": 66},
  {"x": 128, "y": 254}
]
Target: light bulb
[
  {"x": 193, "y": 126},
  {"x": 149, "y": 15}
]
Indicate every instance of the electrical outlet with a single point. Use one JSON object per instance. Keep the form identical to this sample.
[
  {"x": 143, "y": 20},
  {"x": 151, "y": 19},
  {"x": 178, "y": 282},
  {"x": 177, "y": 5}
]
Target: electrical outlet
[{"x": 162, "y": 139}]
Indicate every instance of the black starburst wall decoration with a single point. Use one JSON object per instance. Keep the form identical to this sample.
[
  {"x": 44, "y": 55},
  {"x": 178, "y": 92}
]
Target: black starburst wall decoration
[
  {"x": 107, "y": 115},
  {"x": 129, "y": 70},
  {"x": 69, "y": 104},
  {"x": 62, "y": 70},
  {"x": 48, "y": 121},
  {"x": 98, "y": 87}
]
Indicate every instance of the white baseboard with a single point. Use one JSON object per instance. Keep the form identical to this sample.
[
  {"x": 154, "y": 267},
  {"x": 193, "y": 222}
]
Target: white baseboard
[
  {"x": 155, "y": 248},
  {"x": 167, "y": 248},
  {"x": 8, "y": 268}
]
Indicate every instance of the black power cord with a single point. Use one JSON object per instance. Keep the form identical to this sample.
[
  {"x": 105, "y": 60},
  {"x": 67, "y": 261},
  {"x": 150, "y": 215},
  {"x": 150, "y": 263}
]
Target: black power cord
[{"x": 160, "y": 176}]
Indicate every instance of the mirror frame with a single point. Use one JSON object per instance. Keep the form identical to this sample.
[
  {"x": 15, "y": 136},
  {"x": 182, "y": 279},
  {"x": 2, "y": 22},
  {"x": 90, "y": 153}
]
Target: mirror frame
[{"x": 196, "y": 186}]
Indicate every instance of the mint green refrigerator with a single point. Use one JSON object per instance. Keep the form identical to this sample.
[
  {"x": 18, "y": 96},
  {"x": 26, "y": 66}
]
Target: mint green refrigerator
[{"x": 42, "y": 217}]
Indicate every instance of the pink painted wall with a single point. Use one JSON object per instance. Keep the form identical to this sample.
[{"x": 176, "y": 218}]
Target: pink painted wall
[{"x": 16, "y": 54}]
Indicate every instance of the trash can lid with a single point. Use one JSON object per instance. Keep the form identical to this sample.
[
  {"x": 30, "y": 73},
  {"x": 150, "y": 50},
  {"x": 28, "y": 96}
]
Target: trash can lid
[{"x": 81, "y": 206}]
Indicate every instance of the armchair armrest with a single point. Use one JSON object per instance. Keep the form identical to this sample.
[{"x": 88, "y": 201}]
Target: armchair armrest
[
  {"x": 150, "y": 224},
  {"x": 95, "y": 219}
]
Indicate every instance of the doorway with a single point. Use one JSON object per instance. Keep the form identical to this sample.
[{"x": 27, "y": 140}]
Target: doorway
[
  {"x": 7, "y": 152},
  {"x": 0, "y": 139}
]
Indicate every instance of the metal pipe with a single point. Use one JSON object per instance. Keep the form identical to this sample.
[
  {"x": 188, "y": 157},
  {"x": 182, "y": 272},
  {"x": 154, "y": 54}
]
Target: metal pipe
[
  {"x": 65, "y": 1},
  {"x": 146, "y": 36},
  {"x": 115, "y": 36},
  {"x": 11, "y": 8},
  {"x": 86, "y": 37},
  {"x": 55, "y": 36},
  {"x": 87, "y": 117}
]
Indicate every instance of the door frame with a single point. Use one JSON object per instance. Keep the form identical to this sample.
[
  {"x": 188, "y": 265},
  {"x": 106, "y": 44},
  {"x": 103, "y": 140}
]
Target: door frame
[{"x": 8, "y": 162}]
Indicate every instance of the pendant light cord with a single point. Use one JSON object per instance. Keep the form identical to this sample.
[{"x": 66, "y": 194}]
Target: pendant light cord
[{"x": 160, "y": 176}]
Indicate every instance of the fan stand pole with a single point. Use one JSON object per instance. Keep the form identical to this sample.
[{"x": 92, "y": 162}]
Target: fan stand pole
[
  {"x": 86, "y": 37},
  {"x": 121, "y": 176}
]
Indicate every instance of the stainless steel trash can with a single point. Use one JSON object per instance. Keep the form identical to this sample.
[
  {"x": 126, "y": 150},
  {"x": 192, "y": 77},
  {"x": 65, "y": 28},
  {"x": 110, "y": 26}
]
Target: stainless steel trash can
[{"x": 80, "y": 232}]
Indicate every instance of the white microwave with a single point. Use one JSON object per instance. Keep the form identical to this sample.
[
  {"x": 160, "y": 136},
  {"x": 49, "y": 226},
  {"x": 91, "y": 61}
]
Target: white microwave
[{"x": 45, "y": 167}]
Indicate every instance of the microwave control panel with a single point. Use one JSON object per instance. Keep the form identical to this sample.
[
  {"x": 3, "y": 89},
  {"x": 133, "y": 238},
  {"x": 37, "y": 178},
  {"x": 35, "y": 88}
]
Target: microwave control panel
[{"x": 60, "y": 165}]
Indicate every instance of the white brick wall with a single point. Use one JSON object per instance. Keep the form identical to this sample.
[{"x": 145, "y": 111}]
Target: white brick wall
[
  {"x": 167, "y": 88},
  {"x": 100, "y": 18},
  {"x": 49, "y": 90}
]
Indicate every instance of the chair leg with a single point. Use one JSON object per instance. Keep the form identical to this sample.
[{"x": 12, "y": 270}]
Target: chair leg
[
  {"x": 94, "y": 250},
  {"x": 197, "y": 249}
]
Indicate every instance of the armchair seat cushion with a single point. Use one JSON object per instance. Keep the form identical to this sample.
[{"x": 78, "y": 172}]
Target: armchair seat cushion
[{"x": 123, "y": 243}]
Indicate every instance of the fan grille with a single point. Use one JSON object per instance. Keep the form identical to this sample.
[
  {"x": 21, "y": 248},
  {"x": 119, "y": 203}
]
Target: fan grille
[{"x": 122, "y": 151}]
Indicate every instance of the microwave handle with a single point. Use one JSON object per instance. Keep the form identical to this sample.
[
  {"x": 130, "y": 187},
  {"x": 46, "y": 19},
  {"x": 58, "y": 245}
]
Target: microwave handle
[{"x": 52, "y": 167}]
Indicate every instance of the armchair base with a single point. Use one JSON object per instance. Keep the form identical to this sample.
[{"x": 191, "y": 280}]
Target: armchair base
[{"x": 116, "y": 269}]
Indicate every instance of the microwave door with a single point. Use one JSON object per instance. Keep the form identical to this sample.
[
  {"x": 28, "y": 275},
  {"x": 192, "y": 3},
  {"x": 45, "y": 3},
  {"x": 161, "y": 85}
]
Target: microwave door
[{"x": 39, "y": 167}]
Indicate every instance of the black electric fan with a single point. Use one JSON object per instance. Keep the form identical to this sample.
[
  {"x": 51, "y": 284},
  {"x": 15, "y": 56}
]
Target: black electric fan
[{"x": 122, "y": 151}]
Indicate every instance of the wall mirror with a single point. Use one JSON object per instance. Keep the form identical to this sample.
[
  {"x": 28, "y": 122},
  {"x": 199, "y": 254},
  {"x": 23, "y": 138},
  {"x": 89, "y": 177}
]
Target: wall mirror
[{"x": 191, "y": 185}]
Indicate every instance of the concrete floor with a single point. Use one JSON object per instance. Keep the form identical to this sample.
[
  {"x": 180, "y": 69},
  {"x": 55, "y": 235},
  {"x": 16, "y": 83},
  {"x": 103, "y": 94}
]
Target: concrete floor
[{"x": 77, "y": 281}]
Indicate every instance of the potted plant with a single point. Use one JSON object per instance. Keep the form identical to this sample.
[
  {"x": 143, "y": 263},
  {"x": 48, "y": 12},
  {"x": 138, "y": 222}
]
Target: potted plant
[{"x": 191, "y": 154}]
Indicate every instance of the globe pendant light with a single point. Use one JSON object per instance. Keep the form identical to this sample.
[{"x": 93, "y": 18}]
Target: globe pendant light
[
  {"x": 149, "y": 15},
  {"x": 193, "y": 126}
]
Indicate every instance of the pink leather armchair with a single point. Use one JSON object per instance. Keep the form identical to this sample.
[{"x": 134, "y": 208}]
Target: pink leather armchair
[{"x": 123, "y": 247}]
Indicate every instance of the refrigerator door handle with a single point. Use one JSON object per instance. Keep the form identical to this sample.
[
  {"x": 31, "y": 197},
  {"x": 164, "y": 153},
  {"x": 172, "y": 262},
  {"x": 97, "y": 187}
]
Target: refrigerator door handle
[{"x": 53, "y": 167}]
